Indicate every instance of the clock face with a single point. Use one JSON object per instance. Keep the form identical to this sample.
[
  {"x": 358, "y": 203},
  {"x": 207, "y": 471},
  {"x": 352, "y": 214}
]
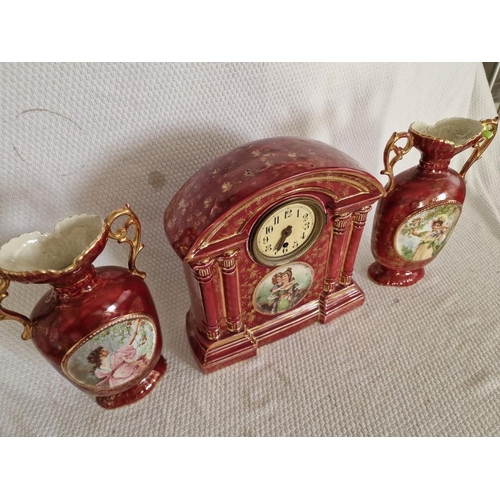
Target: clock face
[{"x": 287, "y": 231}]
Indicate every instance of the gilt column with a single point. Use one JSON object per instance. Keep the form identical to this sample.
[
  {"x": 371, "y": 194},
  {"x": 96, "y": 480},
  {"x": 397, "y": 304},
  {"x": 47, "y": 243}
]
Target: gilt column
[
  {"x": 340, "y": 240},
  {"x": 230, "y": 285},
  {"x": 358, "y": 224},
  {"x": 204, "y": 273}
]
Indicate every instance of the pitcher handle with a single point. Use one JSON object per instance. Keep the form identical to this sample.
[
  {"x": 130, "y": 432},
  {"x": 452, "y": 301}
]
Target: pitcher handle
[
  {"x": 399, "y": 152},
  {"x": 7, "y": 314},
  {"x": 490, "y": 127},
  {"x": 121, "y": 235}
]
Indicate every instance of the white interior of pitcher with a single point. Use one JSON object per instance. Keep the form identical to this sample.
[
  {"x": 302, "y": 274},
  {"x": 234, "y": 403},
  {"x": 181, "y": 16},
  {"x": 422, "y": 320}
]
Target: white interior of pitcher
[
  {"x": 54, "y": 251},
  {"x": 458, "y": 131}
]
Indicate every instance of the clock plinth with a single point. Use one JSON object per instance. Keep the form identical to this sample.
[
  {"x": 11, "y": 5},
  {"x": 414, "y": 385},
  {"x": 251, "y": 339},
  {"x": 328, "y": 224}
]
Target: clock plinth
[
  {"x": 213, "y": 355},
  {"x": 286, "y": 324},
  {"x": 332, "y": 305},
  {"x": 268, "y": 234}
]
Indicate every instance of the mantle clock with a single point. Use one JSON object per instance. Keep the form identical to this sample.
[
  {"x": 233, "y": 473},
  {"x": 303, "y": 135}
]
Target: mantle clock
[{"x": 268, "y": 234}]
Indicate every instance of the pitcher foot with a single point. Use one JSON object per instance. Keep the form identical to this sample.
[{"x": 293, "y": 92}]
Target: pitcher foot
[
  {"x": 137, "y": 392},
  {"x": 391, "y": 277}
]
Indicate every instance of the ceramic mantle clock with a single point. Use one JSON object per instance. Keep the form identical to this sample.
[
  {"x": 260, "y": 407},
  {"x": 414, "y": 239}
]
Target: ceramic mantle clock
[{"x": 268, "y": 234}]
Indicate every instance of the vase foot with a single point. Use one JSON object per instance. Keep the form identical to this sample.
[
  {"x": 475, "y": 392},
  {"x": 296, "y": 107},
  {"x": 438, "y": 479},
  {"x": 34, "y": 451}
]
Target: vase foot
[
  {"x": 391, "y": 277},
  {"x": 137, "y": 392}
]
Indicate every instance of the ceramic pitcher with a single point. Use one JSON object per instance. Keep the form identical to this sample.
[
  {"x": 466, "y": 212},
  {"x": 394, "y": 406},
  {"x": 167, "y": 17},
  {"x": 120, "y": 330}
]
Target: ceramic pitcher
[
  {"x": 415, "y": 219},
  {"x": 98, "y": 327}
]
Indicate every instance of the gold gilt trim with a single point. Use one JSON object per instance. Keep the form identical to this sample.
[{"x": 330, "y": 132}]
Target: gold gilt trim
[
  {"x": 490, "y": 128},
  {"x": 251, "y": 336},
  {"x": 399, "y": 152},
  {"x": 360, "y": 216},
  {"x": 203, "y": 270},
  {"x": 412, "y": 130},
  {"x": 228, "y": 270},
  {"x": 346, "y": 279},
  {"x": 296, "y": 315},
  {"x": 319, "y": 225},
  {"x": 228, "y": 261},
  {"x": 221, "y": 342},
  {"x": 121, "y": 235},
  {"x": 77, "y": 261},
  {"x": 340, "y": 223},
  {"x": 7, "y": 314},
  {"x": 360, "y": 183}
]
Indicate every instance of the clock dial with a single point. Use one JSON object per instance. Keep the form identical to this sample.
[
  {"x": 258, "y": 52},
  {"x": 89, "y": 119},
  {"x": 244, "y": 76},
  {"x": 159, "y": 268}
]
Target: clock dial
[{"x": 287, "y": 231}]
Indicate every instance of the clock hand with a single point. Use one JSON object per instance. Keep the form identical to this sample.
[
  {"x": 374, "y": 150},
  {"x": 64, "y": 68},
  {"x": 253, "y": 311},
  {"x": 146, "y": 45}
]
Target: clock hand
[{"x": 284, "y": 235}]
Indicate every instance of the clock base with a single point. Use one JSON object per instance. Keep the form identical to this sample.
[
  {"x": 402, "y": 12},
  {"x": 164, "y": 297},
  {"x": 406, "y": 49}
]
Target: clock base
[
  {"x": 333, "y": 304},
  {"x": 217, "y": 354},
  {"x": 213, "y": 355},
  {"x": 287, "y": 323}
]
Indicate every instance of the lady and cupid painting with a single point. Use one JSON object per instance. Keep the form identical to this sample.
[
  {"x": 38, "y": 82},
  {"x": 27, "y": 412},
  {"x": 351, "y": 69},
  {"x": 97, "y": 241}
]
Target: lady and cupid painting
[
  {"x": 113, "y": 356},
  {"x": 283, "y": 288}
]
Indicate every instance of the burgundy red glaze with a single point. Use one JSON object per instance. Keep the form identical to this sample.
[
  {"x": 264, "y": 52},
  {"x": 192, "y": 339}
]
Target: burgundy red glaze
[
  {"x": 87, "y": 306},
  {"x": 209, "y": 224},
  {"x": 417, "y": 216}
]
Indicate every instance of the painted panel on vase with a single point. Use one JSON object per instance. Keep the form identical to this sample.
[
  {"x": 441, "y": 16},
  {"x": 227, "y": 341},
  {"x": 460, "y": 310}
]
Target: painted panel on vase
[
  {"x": 113, "y": 355},
  {"x": 422, "y": 235},
  {"x": 283, "y": 288}
]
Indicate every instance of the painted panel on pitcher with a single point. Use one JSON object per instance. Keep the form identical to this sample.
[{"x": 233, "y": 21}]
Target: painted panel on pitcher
[
  {"x": 113, "y": 355},
  {"x": 422, "y": 235},
  {"x": 283, "y": 288}
]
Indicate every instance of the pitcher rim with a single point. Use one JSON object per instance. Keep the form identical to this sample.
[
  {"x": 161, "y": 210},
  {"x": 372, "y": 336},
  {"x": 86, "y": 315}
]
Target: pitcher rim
[
  {"x": 447, "y": 141},
  {"x": 75, "y": 263}
]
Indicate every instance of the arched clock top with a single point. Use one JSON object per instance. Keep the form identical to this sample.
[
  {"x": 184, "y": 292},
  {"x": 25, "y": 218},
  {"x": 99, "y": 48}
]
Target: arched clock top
[{"x": 215, "y": 204}]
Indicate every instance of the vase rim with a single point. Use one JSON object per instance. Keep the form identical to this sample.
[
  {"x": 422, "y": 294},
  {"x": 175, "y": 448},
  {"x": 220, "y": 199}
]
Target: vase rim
[
  {"x": 23, "y": 249},
  {"x": 446, "y": 130}
]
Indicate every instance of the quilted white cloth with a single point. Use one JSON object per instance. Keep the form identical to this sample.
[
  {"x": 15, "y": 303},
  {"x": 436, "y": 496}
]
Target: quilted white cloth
[{"x": 88, "y": 138}]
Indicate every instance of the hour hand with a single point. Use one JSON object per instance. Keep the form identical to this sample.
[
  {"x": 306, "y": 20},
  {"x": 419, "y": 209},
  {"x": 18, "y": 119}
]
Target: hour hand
[{"x": 284, "y": 235}]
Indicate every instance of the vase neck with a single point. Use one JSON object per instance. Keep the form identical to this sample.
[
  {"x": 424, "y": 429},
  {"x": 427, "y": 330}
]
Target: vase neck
[
  {"x": 77, "y": 284},
  {"x": 433, "y": 164}
]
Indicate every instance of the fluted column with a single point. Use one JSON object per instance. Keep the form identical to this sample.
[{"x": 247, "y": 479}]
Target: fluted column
[
  {"x": 230, "y": 284},
  {"x": 204, "y": 273},
  {"x": 358, "y": 224},
  {"x": 340, "y": 239}
]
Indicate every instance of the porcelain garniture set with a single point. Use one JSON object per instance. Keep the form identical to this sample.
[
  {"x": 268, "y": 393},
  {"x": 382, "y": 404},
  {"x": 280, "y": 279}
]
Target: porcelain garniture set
[{"x": 268, "y": 235}]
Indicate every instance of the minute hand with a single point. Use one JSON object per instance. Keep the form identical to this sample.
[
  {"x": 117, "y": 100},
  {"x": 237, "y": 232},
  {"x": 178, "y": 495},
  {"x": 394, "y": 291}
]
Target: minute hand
[{"x": 284, "y": 235}]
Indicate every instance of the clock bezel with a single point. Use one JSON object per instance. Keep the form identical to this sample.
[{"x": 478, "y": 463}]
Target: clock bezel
[{"x": 319, "y": 224}]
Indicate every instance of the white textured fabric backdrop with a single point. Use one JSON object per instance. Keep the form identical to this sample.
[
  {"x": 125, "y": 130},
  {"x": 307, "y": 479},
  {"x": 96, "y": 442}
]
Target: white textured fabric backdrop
[{"x": 88, "y": 138}]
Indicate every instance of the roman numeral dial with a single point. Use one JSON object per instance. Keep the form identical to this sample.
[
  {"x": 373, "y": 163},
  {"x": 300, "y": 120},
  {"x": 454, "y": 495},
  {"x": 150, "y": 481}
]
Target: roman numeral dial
[{"x": 287, "y": 231}]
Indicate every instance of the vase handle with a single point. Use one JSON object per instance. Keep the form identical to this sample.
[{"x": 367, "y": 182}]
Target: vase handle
[
  {"x": 7, "y": 314},
  {"x": 490, "y": 127},
  {"x": 399, "y": 152},
  {"x": 121, "y": 235}
]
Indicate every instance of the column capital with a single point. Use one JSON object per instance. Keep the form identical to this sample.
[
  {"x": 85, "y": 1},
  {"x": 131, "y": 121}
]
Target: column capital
[
  {"x": 340, "y": 222},
  {"x": 203, "y": 270},
  {"x": 359, "y": 217},
  {"x": 227, "y": 261}
]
